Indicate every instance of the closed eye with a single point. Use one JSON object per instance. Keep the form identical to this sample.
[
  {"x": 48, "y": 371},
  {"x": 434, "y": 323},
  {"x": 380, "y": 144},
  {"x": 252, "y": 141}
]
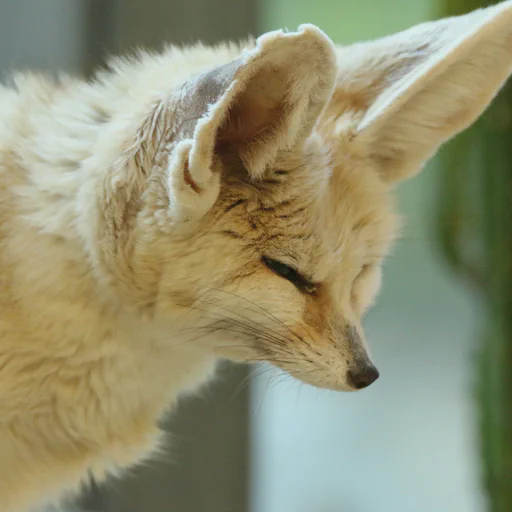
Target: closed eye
[{"x": 290, "y": 274}]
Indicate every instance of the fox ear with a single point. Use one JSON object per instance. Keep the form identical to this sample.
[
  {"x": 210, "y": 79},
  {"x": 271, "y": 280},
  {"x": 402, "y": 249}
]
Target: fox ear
[
  {"x": 266, "y": 101},
  {"x": 402, "y": 96}
]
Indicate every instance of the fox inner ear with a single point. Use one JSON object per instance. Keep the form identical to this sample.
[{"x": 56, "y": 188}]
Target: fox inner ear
[
  {"x": 399, "y": 98},
  {"x": 266, "y": 101}
]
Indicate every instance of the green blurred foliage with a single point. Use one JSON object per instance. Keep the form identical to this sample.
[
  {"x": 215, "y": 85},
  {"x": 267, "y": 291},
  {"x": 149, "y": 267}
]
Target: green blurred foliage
[{"x": 475, "y": 232}]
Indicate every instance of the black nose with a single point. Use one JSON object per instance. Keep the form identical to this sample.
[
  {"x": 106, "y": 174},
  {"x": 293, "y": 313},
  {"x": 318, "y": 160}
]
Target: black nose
[{"x": 362, "y": 377}]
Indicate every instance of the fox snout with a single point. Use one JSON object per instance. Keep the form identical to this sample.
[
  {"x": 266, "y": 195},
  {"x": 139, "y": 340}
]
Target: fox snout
[
  {"x": 362, "y": 372},
  {"x": 362, "y": 376}
]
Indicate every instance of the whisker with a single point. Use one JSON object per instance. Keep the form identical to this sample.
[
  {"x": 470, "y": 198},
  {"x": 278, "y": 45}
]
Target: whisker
[
  {"x": 250, "y": 377},
  {"x": 237, "y": 314},
  {"x": 247, "y": 330},
  {"x": 261, "y": 308},
  {"x": 268, "y": 336}
]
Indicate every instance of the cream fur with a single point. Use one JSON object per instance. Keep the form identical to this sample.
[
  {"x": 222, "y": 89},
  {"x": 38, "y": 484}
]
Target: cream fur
[{"x": 135, "y": 210}]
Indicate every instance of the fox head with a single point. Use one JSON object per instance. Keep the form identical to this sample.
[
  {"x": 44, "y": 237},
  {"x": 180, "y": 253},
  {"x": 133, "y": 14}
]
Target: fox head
[{"x": 252, "y": 208}]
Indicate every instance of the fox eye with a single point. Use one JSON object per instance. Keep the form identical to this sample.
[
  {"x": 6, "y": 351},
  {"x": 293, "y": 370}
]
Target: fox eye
[{"x": 290, "y": 274}]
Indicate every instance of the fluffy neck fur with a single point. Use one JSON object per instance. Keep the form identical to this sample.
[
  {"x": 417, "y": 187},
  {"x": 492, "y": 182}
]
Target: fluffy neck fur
[{"x": 71, "y": 301}]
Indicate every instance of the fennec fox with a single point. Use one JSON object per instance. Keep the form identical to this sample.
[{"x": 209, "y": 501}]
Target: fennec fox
[{"x": 206, "y": 203}]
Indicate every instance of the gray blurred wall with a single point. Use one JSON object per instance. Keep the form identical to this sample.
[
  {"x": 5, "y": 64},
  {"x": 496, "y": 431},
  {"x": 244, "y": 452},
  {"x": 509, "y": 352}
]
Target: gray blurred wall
[{"x": 46, "y": 34}]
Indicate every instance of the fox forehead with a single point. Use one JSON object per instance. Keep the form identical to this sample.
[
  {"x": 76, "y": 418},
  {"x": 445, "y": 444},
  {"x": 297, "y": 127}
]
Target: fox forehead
[{"x": 326, "y": 216}]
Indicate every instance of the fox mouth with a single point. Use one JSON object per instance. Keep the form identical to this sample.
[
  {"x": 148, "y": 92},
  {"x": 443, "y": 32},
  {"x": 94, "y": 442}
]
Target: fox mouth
[
  {"x": 253, "y": 335},
  {"x": 256, "y": 344},
  {"x": 308, "y": 371},
  {"x": 320, "y": 378}
]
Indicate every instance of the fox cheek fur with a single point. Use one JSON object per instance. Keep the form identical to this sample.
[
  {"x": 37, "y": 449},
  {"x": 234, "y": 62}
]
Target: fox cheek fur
[{"x": 206, "y": 203}]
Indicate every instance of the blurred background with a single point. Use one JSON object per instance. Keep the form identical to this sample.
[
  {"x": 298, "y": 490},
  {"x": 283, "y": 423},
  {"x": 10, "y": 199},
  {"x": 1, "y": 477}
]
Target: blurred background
[{"x": 434, "y": 434}]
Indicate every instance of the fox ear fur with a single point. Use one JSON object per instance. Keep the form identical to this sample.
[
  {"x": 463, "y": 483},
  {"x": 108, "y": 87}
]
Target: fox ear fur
[
  {"x": 267, "y": 100},
  {"x": 403, "y": 96}
]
